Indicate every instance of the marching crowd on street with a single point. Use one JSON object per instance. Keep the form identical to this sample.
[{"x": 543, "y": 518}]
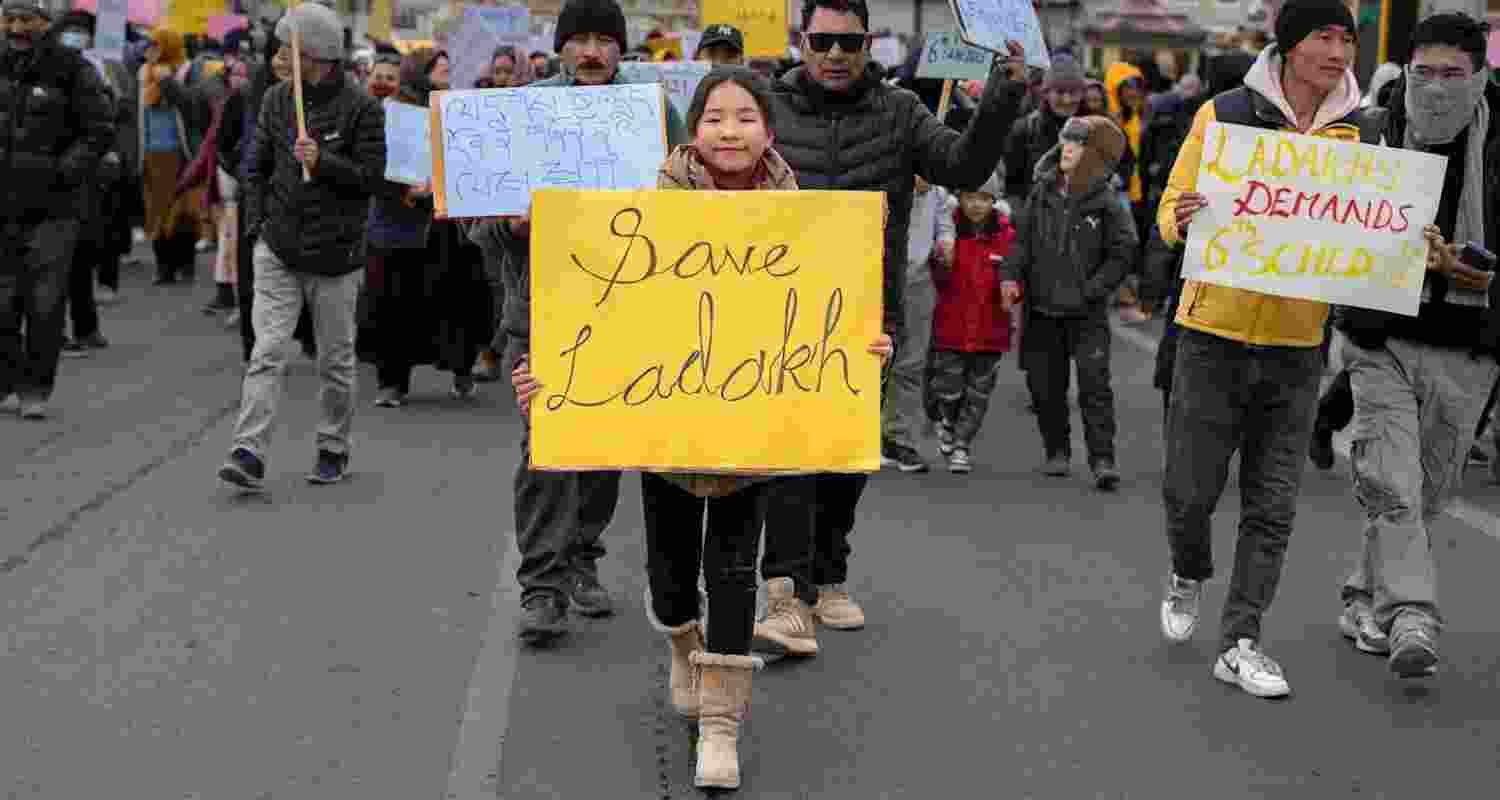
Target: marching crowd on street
[{"x": 1044, "y": 203}]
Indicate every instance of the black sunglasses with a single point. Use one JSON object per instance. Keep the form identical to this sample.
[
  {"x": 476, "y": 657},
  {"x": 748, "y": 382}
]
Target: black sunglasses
[{"x": 848, "y": 42}]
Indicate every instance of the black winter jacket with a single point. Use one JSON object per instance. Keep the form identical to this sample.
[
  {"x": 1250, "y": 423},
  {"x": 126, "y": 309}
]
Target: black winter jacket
[
  {"x": 1070, "y": 252},
  {"x": 878, "y": 139},
  {"x": 1440, "y": 324},
  {"x": 56, "y": 122},
  {"x": 316, "y": 226}
]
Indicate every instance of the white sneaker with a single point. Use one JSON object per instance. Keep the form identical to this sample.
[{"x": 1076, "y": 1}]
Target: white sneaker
[
  {"x": 959, "y": 461},
  {"x": 1247, "y": 667},
  {"x": 1179, "y": 611}
]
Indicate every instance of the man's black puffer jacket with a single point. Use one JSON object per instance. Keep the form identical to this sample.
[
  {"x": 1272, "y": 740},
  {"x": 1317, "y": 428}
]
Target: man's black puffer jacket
[
  {"x": 56, "y": 122},
  {"x": 316, "y": 226},
  {"x": 877, "y": 139}
]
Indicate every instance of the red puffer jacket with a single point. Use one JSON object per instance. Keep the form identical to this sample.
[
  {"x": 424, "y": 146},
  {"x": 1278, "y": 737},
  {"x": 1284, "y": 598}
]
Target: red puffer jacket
[{"x": 968, "y": 318}]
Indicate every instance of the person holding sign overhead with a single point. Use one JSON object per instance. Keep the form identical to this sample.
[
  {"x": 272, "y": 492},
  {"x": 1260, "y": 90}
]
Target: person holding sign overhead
[
  {"x": 560, "y": 516},
  {"x": 841, "y": 127},
  {"x": 1421, "y": 383},
  {"x": 1249, "y": 364},
  {"x": 308, "y": 193}
]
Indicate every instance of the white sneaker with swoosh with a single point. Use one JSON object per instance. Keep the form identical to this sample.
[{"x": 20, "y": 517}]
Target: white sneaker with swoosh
[{"x": 1245, "y": 666}]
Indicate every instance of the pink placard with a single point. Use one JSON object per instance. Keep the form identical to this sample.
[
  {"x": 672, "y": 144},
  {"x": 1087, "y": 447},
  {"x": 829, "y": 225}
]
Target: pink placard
[
  {"x": 224, "y": 23},
  {"x": 1494, "y": 53},
  {"x": 141, "y": 12}
]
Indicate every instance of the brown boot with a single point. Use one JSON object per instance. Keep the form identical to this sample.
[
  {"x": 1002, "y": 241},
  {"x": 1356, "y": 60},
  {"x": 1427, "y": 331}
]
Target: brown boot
[
  {"x": 684, "y": 640},
  {"x": 486, "y": 367},
  {"x": 723, "y": 697},
  {"x": 789, "y": 626}
]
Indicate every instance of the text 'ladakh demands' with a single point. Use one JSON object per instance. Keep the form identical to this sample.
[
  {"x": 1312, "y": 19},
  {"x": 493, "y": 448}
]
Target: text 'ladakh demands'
[
  {"x": 706, "y": 331},
  {"x": 1314, "y": 218}
]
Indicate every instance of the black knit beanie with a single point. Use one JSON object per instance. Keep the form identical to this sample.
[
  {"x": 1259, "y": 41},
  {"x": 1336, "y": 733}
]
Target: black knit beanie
[
  {"x": 590, "y": 16},
  {"x": 1299, "y": 18}
]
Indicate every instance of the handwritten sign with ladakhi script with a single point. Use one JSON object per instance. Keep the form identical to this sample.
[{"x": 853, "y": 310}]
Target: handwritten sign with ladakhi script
[
  {"x": 944, "y": 55},
  {"x": 989, "y": 23},
  {"x": 706, "y": 331},
  {"x": 1314, "y": 218},
  {"x": 497, "y": 146},
  {"x": 679, "y": 78}
]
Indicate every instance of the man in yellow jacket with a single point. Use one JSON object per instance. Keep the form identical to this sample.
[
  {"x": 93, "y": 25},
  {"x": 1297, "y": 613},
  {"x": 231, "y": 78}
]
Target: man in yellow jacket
[{"x": 1248, "y": 364}]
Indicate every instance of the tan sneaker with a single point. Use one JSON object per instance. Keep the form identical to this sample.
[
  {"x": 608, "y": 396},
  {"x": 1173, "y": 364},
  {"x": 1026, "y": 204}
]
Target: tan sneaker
[
  {"x": 789, "y": 626},
  {"x": 837, "y": 610}
]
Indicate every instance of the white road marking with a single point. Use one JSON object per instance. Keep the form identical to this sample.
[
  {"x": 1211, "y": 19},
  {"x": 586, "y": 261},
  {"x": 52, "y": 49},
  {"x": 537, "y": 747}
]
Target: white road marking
[
  {"x": 1469, "y": 514},
  {"x": 474, "y": 767}
]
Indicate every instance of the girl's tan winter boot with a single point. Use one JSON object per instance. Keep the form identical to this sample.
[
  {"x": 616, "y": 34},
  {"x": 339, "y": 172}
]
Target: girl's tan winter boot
[
  {"x": 683, "y": 640},
  {"x": 723, "y": 697}
]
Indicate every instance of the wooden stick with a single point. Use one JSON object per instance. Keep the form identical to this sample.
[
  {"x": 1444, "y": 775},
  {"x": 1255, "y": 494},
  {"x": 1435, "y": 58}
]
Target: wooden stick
[
  {"x": 947, "y": 99},
  {"x": 297, "y": 93}
]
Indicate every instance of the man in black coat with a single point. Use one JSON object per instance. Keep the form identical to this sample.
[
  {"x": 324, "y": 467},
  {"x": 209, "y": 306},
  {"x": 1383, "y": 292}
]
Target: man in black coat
[
  {"x": 307, "y": 197},
  {"x": 58, "y": 127},
  {"x": 840, "y": 127}
]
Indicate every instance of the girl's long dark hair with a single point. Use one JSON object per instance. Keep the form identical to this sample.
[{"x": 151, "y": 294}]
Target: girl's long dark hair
[{"x": 739, "y": 76}]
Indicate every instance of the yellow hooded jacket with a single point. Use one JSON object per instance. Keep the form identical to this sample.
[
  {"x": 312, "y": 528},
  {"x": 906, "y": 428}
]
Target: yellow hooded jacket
[
  {"x": 1242, "y": 315},
  {"x": 1118, "y": 73}
]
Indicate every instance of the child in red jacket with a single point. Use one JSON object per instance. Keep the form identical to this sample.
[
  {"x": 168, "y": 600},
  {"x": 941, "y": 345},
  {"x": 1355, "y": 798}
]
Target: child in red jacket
[{"x": 970, "y": 332}]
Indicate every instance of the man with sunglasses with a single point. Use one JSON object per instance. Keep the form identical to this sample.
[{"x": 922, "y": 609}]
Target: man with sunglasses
[
  {"x": 840, "y": 127},
  {"x": 58, "y": 126}
]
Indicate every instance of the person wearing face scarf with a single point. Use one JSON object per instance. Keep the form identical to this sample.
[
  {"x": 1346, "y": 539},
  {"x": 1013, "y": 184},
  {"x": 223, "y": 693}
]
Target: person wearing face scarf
[
  {"x": 57, "y": 128},
  {"x": 1420, "y": 384},
  {"x": 106, "y": 221}
]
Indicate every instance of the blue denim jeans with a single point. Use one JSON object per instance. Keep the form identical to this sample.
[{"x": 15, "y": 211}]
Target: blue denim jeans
[{"x": 1226, "y": 397}]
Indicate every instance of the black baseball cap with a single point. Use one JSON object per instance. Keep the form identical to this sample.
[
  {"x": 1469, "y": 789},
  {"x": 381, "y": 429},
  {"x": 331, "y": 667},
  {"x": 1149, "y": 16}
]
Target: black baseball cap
[{"x": 721, "y": 34}]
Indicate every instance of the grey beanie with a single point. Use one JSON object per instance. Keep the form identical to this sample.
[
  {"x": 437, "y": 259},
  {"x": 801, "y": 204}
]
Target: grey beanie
[
  {"x": 322, "y": 33},
  {"x": 1065, "y": 71}
]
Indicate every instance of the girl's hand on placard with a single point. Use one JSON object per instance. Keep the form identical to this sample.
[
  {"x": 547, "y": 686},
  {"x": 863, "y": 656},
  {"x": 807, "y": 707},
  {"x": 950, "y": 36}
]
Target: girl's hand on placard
[
  {"x": 883, "y": 347},
  {"x": 525, "y": 384}
]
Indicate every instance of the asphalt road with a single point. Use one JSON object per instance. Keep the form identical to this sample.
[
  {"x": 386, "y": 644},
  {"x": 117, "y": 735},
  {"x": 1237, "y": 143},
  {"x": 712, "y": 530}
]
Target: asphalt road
[{"x": 164, "y": 638}]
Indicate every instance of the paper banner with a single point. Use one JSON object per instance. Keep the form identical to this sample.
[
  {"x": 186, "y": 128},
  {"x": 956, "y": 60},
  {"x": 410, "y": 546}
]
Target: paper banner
[
  {"x": 944, "y": 55},
  {"x": 989, "y": 23},
  {"x": 408, "y": 143},
  {"x": 679, "y": 78},
  {"x": 1313, "y": 218},
  {"x": 494, "y": 147},
  {"x": 762, "y": 21},
  {"x": 663, "y": 347},
  {"x": 141, "y": 12},
  {"x": 222, "y": 24}
]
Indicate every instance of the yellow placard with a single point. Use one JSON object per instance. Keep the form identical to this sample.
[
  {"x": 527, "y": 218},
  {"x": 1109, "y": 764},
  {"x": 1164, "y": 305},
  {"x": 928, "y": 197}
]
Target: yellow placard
[
  {"x": 191, "y": 16},
  {"x": 678, "y": 331},
  {"x": 762, "y": 21},
  {"x": 379, "y": 27}
]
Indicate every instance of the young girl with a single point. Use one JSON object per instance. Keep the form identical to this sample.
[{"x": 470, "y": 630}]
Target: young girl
[
  {"x": 970, "y": 332},
  {"x": 730, "y": 124}
]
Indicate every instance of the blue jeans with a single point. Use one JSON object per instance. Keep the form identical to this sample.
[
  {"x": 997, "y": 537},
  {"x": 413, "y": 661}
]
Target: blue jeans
[{"x": 1226, "y": 397}]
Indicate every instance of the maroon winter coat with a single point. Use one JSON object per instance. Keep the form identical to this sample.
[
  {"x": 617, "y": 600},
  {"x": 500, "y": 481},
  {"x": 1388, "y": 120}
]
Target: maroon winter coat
[{"x": 968, "y": 318}]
